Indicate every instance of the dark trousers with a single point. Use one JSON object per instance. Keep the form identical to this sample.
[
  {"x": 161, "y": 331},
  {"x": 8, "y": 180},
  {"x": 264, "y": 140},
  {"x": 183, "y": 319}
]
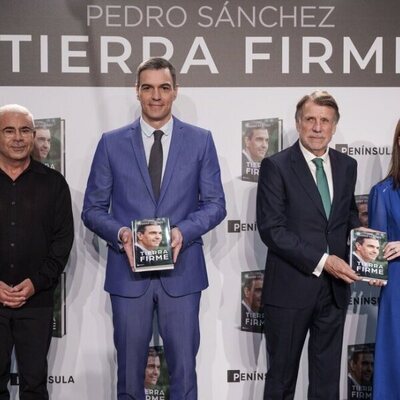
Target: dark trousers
[
  {"x": 28, "y": 330},
  {"x": 178, "y": 324},
  {"x": 286, "y": 331}
]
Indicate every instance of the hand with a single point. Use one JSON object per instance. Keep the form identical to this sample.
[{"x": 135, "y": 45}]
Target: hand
[
  {"x": 176, "y": 242},
  {"x": 16, "y": 296},
  {"x": 364, "y": 229},
  {"x": 338, "y": 268},
  {"x": 377, "y": 282},
  {"x": 391, "y": 250},
  {"x": 127, "y": 242},
  {"x": 7, "y": 297}
]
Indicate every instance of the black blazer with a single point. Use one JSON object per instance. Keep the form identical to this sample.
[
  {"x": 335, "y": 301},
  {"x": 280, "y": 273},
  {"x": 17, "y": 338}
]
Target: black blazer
[{"x": 292, "y": 223}]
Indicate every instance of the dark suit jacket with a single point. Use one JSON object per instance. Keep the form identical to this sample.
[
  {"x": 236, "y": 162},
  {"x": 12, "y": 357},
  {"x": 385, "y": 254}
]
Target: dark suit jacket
[
  {"x": 292, "y": 223},
  {"x": 119, "y": 190}
]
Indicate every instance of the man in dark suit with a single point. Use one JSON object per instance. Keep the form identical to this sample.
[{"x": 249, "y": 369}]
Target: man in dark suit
[
  {"x": 132, "y": 179},
  {"x": 304, "y": 216}
]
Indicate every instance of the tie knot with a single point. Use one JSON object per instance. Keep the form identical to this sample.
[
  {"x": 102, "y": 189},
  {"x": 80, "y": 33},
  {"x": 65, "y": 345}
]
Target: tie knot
[
  {"x": 157, "y": 135},
  {"x": 318, "y": 162}
]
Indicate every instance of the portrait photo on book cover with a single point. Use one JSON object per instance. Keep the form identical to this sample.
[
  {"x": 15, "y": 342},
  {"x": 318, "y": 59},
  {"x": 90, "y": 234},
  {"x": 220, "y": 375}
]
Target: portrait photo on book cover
[
  {"x": 260, "y": 138},
  {"x": 366, "y": 254},
  {"x": 152, "y": 244},
  {"x": 252, "y": 313}
]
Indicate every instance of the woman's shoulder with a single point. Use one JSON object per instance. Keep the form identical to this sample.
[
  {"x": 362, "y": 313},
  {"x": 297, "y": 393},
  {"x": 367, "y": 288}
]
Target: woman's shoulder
[{"x": 383, "y": 186}]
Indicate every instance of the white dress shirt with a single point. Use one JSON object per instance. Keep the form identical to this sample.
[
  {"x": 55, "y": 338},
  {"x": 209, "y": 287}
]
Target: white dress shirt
[{"x": 328, "y": 172}]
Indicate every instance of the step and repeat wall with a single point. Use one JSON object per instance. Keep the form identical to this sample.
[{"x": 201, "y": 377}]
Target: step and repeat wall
[{"x": 240, "y": 65}]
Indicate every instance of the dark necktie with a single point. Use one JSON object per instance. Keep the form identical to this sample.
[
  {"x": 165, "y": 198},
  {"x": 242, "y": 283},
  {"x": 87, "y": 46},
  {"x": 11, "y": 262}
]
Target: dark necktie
[
  {"x": 322, "y": 184},
  {"x": 156, "y": 163}
]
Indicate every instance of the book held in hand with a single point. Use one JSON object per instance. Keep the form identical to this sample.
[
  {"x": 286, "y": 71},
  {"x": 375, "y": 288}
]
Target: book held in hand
[
  {"x": 152, "y": 245},
  {"x": 366, "y": 254}
]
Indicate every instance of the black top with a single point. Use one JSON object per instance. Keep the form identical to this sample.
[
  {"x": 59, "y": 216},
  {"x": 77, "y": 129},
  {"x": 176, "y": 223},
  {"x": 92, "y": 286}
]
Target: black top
[{"x": 36, "y": 230}]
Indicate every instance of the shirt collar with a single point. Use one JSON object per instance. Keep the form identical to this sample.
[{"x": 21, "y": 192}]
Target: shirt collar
[
  {"x": 310, "y": 156},
  {"x": 34, "y": 166},
  {"x": 148, "y": 130}
]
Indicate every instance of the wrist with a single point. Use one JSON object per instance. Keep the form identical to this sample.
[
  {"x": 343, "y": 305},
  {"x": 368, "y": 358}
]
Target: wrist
[{"x": 121, "y": 233}]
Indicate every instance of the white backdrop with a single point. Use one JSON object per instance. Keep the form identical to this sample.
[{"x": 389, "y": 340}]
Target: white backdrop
[{"x": 82, "y": 363}]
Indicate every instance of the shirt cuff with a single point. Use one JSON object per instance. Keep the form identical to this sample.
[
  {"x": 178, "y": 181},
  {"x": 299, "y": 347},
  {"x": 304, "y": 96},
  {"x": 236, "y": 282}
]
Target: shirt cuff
[
  {"x": 320, "y": 267},
  {"x": 119, "y": 236}
]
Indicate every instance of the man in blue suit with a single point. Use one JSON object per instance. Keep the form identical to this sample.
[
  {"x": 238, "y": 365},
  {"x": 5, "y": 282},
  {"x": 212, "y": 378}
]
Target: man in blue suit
[
  {"x": 305, "y": 211},
  {"x": 121, "y": 189}
]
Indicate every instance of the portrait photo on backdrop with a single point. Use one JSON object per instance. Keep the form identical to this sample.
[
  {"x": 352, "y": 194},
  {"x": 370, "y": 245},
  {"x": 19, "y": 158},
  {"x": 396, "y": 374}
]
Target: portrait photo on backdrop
[
  {"x": 252, "y": 313},
  {"x": 260, "y": 138},
  {"x": 360, "y": 369},
  {"x": 49, "y": 144},
  {"x": 156, "y": 375}
]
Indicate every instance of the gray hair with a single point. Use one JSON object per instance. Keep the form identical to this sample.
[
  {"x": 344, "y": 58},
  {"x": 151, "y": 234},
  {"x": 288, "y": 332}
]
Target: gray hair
[{"x": 15, "y": 108}]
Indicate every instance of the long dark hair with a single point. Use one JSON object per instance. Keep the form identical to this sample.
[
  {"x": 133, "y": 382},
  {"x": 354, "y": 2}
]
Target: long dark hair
[{"x": 394, "y": 167}]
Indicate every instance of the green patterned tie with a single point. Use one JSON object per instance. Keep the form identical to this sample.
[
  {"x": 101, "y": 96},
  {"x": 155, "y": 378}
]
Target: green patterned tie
[{"x": 322, "y": 184}]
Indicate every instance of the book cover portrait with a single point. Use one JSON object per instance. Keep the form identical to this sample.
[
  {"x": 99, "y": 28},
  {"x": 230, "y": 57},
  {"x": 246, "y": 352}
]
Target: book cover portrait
[{"x": 152, "y": 244}]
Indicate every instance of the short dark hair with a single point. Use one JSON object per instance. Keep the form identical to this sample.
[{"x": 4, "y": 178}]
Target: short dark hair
[
  {"x": 41, "y": 125},
  {"x": 251, "y": 278},
  {"x": 142, "y": 227},
  {"x": 360, "y": 239},
  {"x": 361, "y": 199},
  {"x": 153, "y": 352},
  {"x": 356, "y": 353},
  {"x": 155, "y": 63},
  {"x": 321, "y": 98},
  {"x": 249, "y": 130}
]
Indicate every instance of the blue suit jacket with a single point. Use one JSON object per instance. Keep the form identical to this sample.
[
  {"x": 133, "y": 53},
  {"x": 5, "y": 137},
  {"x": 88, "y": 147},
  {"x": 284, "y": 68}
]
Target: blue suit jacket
[
  {"x": 292, "y": 223},
  {"x": 119, "y": 190}
]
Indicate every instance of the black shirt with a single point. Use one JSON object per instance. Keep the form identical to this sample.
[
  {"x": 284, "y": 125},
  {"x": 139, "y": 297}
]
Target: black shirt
[{"x": 36, "y": 230}]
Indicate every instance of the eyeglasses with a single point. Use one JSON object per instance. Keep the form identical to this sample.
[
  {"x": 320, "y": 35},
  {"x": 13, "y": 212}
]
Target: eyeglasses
[{"x": 25, "y": 131}]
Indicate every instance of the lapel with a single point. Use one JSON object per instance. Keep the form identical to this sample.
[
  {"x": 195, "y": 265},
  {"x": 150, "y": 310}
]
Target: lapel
[
  {"x": 304, "y": 176},
  {"x": 173, "y": 156},
  {"x": 138, "y": 150}
]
